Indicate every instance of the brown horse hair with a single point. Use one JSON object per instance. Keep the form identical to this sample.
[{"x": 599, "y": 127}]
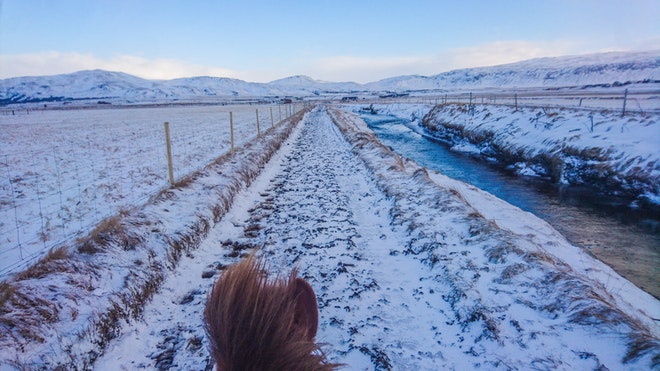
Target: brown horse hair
[{"x": 254, "y": 323}]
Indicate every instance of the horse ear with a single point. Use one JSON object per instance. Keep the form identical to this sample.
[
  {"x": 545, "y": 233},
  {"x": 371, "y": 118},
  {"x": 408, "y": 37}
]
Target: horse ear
[{"x": 307, "y": 311}]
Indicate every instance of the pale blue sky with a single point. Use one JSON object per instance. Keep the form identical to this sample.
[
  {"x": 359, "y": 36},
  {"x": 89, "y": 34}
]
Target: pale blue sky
[{"x": 333, "y": 40}]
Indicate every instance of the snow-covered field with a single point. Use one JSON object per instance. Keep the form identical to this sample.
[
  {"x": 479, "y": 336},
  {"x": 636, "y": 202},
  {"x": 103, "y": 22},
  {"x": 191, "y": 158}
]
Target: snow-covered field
[
  {"x": 63, "y": 171},
  {"x": 412, "y": 270}
]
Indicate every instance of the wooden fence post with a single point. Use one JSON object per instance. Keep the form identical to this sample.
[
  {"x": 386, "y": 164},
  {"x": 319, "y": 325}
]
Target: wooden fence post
[
  {"x": 258, "y": 127},
  {"x": 625, "y": 97},
  {"x": 169, "y": 153},
  {"x": 272, "y": 123},
  {"x": 231, "y": 130},
  {"x": 470, "y": 107},
  {"x": 515, "y": 97}
]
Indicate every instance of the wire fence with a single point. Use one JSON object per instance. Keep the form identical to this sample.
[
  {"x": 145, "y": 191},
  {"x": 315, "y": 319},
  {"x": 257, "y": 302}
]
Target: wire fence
[
  {"x": 64, "y": 171},
  {"x": 622, "y": 100}
]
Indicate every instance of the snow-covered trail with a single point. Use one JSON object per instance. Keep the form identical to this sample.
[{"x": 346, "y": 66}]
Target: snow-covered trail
[
  {"x": 324, "y": 213},
  {"x": 389, "y": 298},
  {"x": 315, "y": 208}
]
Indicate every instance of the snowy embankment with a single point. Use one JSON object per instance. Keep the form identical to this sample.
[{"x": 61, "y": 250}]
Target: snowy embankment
[
  {"x": 412, "y": 270},
  {"x": 65, "y": 309},
  {"x": 615, "y": 155}
]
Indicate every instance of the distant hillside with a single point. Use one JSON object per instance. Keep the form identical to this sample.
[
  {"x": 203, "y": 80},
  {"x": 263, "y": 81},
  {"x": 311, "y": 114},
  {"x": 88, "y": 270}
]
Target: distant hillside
[
  {"x": 578, "y": 71},
  {"x": 607, "y": 69},
  {"x": 98, "y": 84}
]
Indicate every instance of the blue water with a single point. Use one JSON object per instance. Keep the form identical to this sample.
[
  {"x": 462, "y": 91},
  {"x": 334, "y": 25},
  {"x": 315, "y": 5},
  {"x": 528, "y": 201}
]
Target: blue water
[{"x": 620, "y": 237}]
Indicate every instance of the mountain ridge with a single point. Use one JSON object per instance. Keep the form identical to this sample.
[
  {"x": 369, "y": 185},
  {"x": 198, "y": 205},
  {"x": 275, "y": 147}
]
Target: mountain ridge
[{"x": 604, "y": 69}]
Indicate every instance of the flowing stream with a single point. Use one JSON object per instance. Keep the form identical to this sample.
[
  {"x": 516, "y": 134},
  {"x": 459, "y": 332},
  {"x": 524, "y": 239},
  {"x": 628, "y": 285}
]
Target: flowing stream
[{"x": 623, "y": 238}]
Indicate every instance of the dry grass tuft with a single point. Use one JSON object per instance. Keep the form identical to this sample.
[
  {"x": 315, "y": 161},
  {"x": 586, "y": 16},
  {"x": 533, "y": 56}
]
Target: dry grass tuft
[
  {"x": 185, "y": 181},
  {"x": 100, "y": 236},
  {"x": 6, "y": 292},
  {"x": 110, "y": 230},
  {"x": 511, "y": 271},
  {"x": 25, "y": 313},
  {"x": 640, "y": 344},
  {"x": 52, "y": 262}
]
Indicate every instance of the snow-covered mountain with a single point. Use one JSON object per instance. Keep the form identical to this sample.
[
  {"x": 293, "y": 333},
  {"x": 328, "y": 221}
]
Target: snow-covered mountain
[
  {"x": 99, "y": 84},
  {"x": 578, "y": 71},
  {"x": 605, "y": 69},
  {"x": 307, "y": 84}
]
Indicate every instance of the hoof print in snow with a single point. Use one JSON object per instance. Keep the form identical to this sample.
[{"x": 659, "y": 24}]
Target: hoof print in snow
[
  {"x": 237, "y": 248},
  {"x": 341, "y": 267},
  {"x": 190, "y": 296},
  {"x": 252, "y": 230},
  {"x": 194, "y": 344},
  {"x": 165, "y": 359},
  {"x": 336, "y": 322},
  {"x": 208, "y": 274},
  {"x": 378, "y": 357}
]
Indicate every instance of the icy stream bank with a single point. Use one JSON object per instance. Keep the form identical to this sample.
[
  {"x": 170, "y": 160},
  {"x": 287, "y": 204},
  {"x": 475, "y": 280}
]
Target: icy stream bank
[{"x": 614, "y": 155}]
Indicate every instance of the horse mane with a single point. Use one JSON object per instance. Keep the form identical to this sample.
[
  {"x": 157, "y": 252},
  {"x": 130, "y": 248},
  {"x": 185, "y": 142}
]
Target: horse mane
[{"x": 254, "y": 323}]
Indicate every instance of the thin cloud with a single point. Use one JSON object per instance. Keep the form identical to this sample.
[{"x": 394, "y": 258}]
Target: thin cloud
[
  {"x": 52, "y": 63},
  {"x": 503, "y": 52},
  {"x": 368, "y": 69}
]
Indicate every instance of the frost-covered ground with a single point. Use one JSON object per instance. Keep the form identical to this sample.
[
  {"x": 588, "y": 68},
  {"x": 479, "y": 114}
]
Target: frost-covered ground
[
  {"x": 412, "y": 270},
  {"x": 63, "y": 171}
]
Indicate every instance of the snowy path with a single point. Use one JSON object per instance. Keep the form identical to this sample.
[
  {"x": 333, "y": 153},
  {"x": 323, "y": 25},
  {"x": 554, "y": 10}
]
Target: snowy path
[
  {"x": 382, "y": 304},
  {"x": 322, "y": 214}
]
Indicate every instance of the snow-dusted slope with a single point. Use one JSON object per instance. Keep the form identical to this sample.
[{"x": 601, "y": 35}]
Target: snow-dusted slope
[
  {"x": 305, "y": 85},
  {"x": 212, "y": 86},
  {"x": 594, "y": 69},
  {"x": 106, "y": 85},
  {"x": 99, "y": 84},
  {"x": 606, "y": 69}
]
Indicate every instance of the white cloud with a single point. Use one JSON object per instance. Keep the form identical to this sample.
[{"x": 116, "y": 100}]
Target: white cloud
[
  {"x": 52, "y": 63},
  {"x": 503, "y": 52}
]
